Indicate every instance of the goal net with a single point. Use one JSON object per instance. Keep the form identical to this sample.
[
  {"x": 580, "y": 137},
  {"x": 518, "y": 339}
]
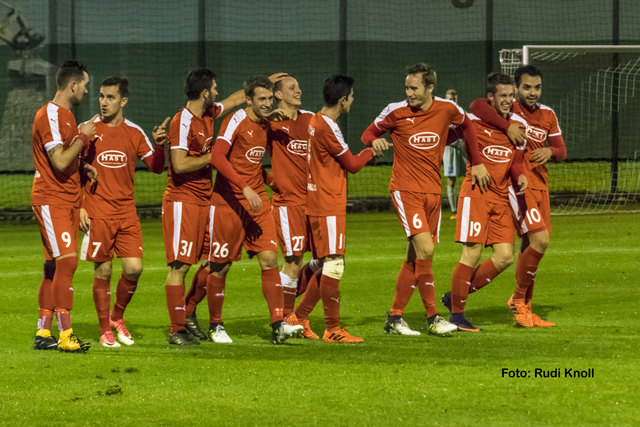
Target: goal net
[{"x": 595, "y": 92}]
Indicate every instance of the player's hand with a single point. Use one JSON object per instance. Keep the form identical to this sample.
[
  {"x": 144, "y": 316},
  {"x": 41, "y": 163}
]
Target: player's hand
[
  {"x": 379, "y": 146},
  {"x": 88, "y": 127},
  {"x": 91, "y": 173},
  {"x": 522, "y": 184},
  {"x": 541, "y": 155},
  {"x": 277, "y": 77},
  {"x": 515, "y": 133},
  {"x": 252, "y": 197},
  {"x": 159, "y": 133},
  {"x": 480, "y": 176},
  {"x": 84, "y": 220},
  {"x": 278, "y": 115}
]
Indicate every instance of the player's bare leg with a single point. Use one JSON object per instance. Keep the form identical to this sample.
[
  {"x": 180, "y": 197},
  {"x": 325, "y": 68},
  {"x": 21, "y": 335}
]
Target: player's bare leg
[
  {"x": 174, "y": 289},
  {"x": 215, "y": 285}
]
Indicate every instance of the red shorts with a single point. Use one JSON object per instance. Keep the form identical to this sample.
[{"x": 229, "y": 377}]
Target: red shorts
[
  {"x": 183, "y": 226},
  {"x": 418, "y": 212},
  {"x": 58, "y": 229},
  {"x": 291, "y": 226},
  {"x": 482, "y": 221},
  {"x": 230, "y": 229},
  {"x": 327, "y": 235},
  {"x": 538, "y": 214},
  {"x": 122, "y": 235}
]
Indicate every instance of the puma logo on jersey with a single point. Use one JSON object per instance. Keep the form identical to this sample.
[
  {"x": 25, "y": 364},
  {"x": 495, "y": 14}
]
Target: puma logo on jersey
[
  {"x": 424, "y": 140},
  {"x": 312, "y": 131},
  {"x": 411, "y": 119},
  {"x": 200, "y": 133},
  {"x": 112, "y": 159},
  {"x": 285, "y": 128},
  {"x": 68, "y": 124},
  {"x": 99, "y": 137},
  {"x": 250, "y": 132},
  {"x": 255, "y": 154},
  {"x": 274, "y": 243},
  {"x": 497, "y": 153},
  {"x": 488, "y": 132}
]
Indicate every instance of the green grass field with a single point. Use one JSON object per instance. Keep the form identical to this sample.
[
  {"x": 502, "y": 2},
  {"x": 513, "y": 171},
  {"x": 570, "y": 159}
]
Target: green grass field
[{"x": 587, "y": 284}]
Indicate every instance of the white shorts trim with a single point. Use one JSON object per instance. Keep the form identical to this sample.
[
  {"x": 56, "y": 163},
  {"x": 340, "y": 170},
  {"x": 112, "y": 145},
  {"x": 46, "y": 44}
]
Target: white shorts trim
[
  {"x": 403, "y": 215},
  {"x": 48, "y": 227},
  {"x": 464, "y": 219},
  {"x": 177, "y": 220},
  {"x": 286, "y": 232},
  {"x": 332, "y": 231},
  {"x": 212, "y": 211}
]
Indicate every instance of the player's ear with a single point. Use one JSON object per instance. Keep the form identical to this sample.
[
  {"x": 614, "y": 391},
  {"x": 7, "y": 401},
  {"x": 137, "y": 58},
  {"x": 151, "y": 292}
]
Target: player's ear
[{"x": 123, "y": 101}]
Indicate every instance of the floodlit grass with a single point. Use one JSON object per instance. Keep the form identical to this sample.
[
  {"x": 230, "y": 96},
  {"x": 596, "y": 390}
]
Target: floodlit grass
[{"x": 587, "y": 284}]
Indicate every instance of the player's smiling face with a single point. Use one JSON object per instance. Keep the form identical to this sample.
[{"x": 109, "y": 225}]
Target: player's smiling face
[
  {"x": 503, "y": 99},
  {"x": 529, "y": 90},
  {"x": 111, "y": 102},
  {"x": 261, "y": 102},
  {"x": 417, "y": 93},
  {"x": 290, "y": 91}
]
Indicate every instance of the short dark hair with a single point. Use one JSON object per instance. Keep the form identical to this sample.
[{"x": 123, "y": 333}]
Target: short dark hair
[
  {"x": 428, "y": 74},
  {"x": 198, "y": 80},
  {"x": 123, "y": 85},
  {"x": 335, "y": 88},
  {"x": 531, "y": 70},
  {"x": 254, "y": 82},
  {"x": 69, "y": 70},
  {"x": 495, "y": 79}
]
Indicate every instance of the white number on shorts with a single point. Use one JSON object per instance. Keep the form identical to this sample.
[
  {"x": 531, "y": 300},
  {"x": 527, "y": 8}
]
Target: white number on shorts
[
  {"x": 220, "y": 251},
  {"x": 298, "y": 242},
  {"x": 417, "y": 224},
  {"x": 475, "y": 228},
  {"x": 66, "y": 237},
  {"x": 96, "y": 246},
  {"x": 533, "y": 214},
  {"x": 186, "y": 248}
]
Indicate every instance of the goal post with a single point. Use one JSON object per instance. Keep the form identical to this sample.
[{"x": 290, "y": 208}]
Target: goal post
[{"x": 595, "y": 92}]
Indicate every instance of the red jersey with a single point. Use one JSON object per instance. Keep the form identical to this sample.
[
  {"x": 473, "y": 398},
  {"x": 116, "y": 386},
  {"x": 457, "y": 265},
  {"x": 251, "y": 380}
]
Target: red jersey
[
  {"x": 248, "y": 141},
  {"x": 288, "y": 142},
  {"x": 419, "y": 138},
  {"x": 113, "y": 152},
  {"x": 54, "y": 125},
  {"x": 327, "y": 179},
  {"x": 543, "y": 123},
  {"x": 497, "y": 154},
  {"x": 194, "y": 135}
]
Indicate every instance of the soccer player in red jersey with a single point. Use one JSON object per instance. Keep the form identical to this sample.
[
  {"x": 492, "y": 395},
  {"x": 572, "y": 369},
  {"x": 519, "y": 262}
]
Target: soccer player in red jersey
[
  {"x": 55, "y": 199},
  {"x": 419, "y": 127},
  {"x": 241, "y": 211},
  {"x": 544, "y": 142},
  {"x": 108, "y": 216},
  {"x": 329, "y": 160},
  {"x": 287, "y": 146},
  {"x": 485, "y": 218},
  {"x": 186, "y": 201}
]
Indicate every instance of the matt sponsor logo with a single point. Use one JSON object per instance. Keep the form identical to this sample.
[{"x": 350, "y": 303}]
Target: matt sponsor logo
[
  {"x": 536, "y": 134},
  {"x": 255, "y": 154},
  {"x": 112, "y": 159},
  {"x": 424, "y": 140},
  {"x": 497, "y": 154},
  {"x": 297, "y": 146}
]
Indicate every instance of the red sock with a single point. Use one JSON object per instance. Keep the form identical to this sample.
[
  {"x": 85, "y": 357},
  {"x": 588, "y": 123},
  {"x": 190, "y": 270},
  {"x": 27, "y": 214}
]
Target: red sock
[
  {"x": 272, "y": 291},
  {"x": 526, "y": 269},
  {"x": 215, "y": 297},
  {"x": 289, "y": 293},
  {"x": 62, "y": 284},
  {"x": 64, "y": 319},
  {"x": 124, "y": 292},
  {"x": 330, "y": 294},
  {"x": 310, "y": 298},
  {"x": 102, "y": 301},
  {"x": 405, "y": 285},
  {"x": 45, "y": 318},
  {"x": 198, "y": 289},
  {"x": 483, "y": 275},
  {"x": 424, "y": 279},
  {"x": 460, "y": 287},
  {"x": 175, "y": 305},
  {"x": 45, "y": 303}
]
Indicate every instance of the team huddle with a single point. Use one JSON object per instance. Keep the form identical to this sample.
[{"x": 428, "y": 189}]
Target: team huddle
[{"x": 84, "y": 180}]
